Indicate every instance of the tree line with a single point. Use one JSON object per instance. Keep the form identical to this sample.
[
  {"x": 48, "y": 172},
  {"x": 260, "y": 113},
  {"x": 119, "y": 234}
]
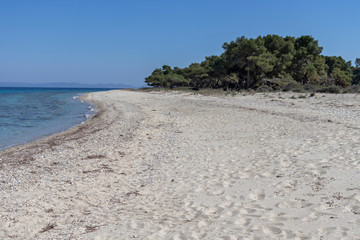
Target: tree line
[{"x": 272, "y": 61}]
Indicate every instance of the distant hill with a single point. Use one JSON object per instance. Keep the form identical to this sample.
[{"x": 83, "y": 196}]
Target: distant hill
[{"x": 64, "y": 85}]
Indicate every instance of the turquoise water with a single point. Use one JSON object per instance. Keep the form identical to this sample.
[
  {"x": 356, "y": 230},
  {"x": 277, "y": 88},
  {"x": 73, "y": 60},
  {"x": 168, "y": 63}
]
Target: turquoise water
[{"x": 27, "y": 114}]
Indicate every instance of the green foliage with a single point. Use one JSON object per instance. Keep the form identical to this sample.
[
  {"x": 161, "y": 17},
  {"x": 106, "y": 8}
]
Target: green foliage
[
  {"x": 197, "y": 75},
  {"x": 357, "y": 63},
  {"x": 308, "y": 65},
  {"x": 331, "y": 89},
  {"x": 281, "y": 63},
  {"x": 156, "y": 79},
  {"x": 293, "y": 87},
  {"x": 356, "y": 71},
  {"x": 264, "y": 88},
  {"x": 230, "y": 81},
  {"x": 352, "y": 89},
  {"x": 166, "y": 77},
  {"x": 214, "y": 67},
  {"x": 240, "y": 57},
  {"x": 340, "y": 77},
  {"x": 312, "y": 87},
  {"x": 176, "y": 80},
  {"x": 277, "y": 89},
  {"x": 339, "y": 71},
  {"x": 282, "y": 49}
]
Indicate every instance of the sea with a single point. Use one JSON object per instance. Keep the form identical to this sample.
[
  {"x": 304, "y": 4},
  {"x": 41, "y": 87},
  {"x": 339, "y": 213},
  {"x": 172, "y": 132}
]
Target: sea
[{"x": 28, "y": 114}]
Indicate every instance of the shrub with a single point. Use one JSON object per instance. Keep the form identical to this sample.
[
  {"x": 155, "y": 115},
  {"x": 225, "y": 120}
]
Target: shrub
[
  {"x": 331, "y": 89},
  {"x": 298, "y": 89},
  {"x": 264, "y": 88},
  {"x": 352, "y": 89},
  {"x": 277, "y": 89},
  {"x": 283, "y": 81},
  {"x": 293, "y": 86},
  {"x": 312, "y": 87}
]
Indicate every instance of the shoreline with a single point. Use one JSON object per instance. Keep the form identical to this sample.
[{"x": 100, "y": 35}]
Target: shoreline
[
  {"x": 78, "y": 112},
  {"x": 183, "y": 166},
  {"x": 48, "y": 139}
]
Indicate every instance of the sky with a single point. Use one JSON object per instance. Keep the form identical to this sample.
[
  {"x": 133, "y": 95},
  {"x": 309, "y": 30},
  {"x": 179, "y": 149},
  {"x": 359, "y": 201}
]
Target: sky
[{"x": 122, "y": 42}]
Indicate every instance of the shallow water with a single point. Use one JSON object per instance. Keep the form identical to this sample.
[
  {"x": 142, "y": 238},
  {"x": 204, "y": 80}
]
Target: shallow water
[{"x": 28, "y": 114}]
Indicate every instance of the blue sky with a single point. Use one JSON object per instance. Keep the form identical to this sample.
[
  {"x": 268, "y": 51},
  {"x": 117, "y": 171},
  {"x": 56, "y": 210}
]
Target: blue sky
[{"x": 108, "y": 41}]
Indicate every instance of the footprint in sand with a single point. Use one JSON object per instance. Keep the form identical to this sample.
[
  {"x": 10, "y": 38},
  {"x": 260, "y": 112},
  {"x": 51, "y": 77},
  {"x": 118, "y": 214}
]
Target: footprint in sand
[
  {"x": 243, "y": 221},
  {"x": 228, "y": 214},
  {"x": 272, "y": 231},
  {"x": 247, "y": 210},
  {"x": 293, "y": 204},
  {"x": 312, "y": 217},
  {"x": 256, "y": 196},
  {"x": 334, "y": 232}
]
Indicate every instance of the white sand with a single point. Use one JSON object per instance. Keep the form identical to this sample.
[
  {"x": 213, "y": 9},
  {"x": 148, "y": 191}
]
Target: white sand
[{"x": 177, "y": 166}]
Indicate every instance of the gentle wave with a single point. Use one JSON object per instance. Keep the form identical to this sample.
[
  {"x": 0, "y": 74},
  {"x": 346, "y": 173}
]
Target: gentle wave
[{"x": 30, "y": 114}]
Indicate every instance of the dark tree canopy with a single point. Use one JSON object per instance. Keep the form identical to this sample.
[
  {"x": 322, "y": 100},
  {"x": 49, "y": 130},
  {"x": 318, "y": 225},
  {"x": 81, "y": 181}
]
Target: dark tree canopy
[
  {"x": 339, "y": 71},
  {"x": 252, "y": 62},
  {"x": 356, "y": 77}
]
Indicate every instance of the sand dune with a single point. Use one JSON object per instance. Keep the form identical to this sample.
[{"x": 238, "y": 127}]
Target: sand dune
[{"x": 183, "y": 166}]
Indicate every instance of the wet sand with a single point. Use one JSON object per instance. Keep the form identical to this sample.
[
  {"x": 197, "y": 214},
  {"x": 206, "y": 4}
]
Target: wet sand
[{"x": 184, "y": 166}]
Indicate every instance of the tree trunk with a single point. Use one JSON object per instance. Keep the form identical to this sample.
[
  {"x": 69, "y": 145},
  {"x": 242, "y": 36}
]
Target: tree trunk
[{"x": 248, "y": 79}]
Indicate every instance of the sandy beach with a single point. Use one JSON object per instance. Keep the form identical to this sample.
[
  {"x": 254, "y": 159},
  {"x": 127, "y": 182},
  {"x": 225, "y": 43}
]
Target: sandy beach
[{"x": 170, "y": 165}]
